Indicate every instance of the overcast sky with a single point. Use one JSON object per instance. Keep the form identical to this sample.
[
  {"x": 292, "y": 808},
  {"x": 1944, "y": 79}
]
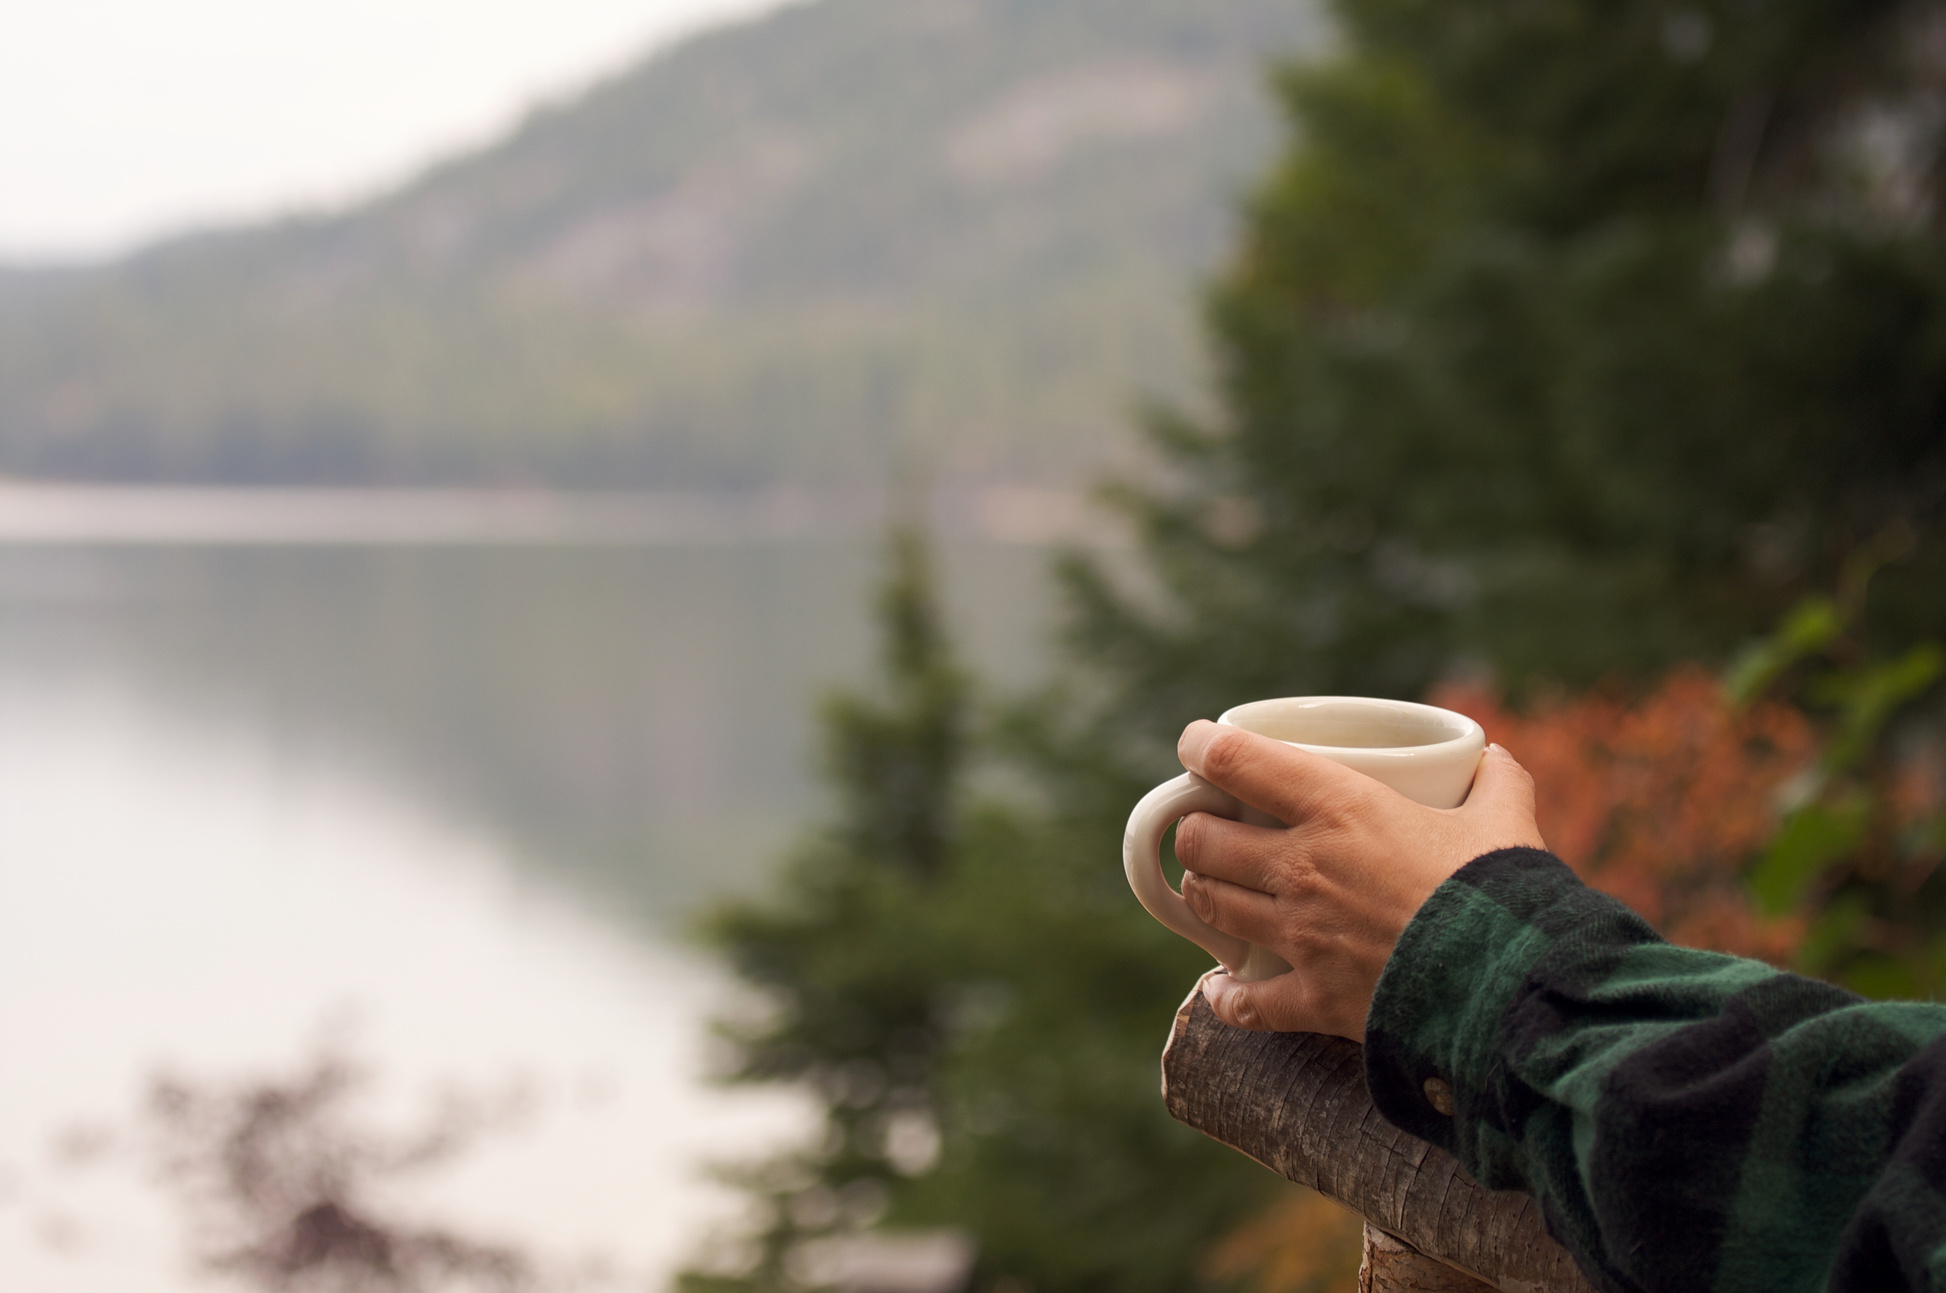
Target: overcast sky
[{"x": 124, "y": 119}]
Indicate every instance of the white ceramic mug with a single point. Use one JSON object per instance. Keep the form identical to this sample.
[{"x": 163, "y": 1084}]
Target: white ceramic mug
[{"x": 1427, "y": 754}]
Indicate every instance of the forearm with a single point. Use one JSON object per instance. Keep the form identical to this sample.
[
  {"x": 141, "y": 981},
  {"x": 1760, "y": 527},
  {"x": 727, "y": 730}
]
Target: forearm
[{"x": 1686, "y": 1119}]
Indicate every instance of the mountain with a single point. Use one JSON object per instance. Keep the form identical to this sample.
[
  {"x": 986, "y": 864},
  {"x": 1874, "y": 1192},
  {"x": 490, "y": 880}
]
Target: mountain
[{"x": 961, "y": 236}]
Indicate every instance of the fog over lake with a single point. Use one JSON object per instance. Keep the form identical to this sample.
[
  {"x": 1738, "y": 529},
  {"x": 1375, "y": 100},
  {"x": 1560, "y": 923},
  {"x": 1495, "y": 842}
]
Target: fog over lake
[{"x": 455, "y": 803}]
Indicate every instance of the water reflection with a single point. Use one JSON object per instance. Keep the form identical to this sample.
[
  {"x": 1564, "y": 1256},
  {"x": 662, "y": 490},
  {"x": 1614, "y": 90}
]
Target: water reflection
[
  {"x": 467, "y": 793},
  {"x": 635, "y": 721}
]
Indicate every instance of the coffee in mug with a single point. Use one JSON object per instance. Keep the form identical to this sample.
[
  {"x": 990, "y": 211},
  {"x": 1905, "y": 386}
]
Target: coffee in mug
[{"x": 1425, "y": 753}]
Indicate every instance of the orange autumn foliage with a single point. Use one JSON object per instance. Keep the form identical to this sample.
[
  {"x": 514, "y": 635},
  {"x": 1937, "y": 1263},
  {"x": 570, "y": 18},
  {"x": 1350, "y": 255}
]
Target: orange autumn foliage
[
  {"x": 1661, "y": 802},
  {"x": 1303, "y": 1243}
]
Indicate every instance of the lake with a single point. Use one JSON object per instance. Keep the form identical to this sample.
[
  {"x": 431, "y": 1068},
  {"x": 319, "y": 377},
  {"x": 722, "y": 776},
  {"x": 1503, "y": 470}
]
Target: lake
[{"x": 449, "y": 805}]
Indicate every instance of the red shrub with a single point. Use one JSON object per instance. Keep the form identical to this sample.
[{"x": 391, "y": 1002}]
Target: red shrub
[{"x": 1661, "y": 802}]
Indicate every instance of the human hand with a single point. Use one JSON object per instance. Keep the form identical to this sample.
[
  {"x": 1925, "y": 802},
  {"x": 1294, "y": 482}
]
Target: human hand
[{"x": 1332, "y": 891}]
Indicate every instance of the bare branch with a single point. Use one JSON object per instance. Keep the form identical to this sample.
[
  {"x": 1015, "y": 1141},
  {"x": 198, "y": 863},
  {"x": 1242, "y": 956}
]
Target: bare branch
[{"x": 1296, "y": 1102}]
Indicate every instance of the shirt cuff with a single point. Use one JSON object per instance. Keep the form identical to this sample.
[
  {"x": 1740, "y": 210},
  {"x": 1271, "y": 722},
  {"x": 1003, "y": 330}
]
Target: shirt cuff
[{"x": 1433, "y": 1039}]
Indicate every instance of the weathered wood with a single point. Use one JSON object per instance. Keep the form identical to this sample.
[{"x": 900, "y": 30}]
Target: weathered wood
[
  {"x": 1296, "y": 1102},
  {"x": 1390, "y": 1265}
]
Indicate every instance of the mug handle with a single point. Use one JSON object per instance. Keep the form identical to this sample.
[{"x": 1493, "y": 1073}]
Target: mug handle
[{"x": 1142, "y": 862}]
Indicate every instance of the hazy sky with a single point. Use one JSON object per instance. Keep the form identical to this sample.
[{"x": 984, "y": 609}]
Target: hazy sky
[{"x": 124, "y": 119}]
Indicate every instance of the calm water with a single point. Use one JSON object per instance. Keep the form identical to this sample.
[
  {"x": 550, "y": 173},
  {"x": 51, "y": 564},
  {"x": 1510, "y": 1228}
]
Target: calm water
[{"x": 454, "y": 803}]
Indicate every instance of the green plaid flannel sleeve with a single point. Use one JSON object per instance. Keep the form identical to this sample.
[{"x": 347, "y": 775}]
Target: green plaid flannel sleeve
[{"x": 1687, "y": 1120}]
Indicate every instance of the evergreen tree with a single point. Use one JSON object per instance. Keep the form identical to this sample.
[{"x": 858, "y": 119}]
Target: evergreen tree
[
  {"x": 842, "y": 948},
  {"x": 1569, "y": 339},
  {"x": 976, "y": 1003}
]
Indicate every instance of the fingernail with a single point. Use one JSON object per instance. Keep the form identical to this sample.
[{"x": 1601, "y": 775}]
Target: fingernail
[
  {"x": 1194, "y": 894},
  {"x": 1214, "y": 987},
  {"x": 1195, "y": 738}
]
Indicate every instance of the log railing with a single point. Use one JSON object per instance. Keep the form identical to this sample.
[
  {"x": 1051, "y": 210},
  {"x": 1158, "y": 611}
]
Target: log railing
[{"x": 1296, "y": 1102}]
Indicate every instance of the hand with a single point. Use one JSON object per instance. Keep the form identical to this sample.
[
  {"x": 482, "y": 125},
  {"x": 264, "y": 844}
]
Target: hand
[{"x": 1332, "y": 891}]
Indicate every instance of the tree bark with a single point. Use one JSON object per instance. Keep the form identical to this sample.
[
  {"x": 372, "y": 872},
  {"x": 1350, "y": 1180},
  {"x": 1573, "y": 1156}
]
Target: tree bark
[
  {"x": 1296, "y": 1102},
  {"x": 1391, "y": 1265}
]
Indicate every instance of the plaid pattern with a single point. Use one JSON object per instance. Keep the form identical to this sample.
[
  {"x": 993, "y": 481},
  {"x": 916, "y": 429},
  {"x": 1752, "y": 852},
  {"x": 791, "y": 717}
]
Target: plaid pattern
[{"x": 1687, "y": 1120}]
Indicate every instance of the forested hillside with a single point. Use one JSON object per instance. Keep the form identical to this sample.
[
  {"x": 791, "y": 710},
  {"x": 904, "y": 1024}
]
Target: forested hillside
[{"x": 956, "y": 235}]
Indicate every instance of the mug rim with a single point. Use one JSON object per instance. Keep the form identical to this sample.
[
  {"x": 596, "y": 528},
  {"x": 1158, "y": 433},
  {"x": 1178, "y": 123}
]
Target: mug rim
[{"x": 1469, "y": 732}]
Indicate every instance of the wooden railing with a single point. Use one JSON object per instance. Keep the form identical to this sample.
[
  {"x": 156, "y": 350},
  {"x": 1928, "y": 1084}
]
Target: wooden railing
[{"x": 1296, "y": 1102}]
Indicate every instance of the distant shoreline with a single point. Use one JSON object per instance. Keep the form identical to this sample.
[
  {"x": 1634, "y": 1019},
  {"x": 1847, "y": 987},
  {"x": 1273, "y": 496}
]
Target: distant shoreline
[{"x": 199, "y": 515}]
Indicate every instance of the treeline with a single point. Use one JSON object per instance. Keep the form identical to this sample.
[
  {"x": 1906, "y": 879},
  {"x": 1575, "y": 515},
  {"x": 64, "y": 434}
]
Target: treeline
[
  {"x": 1582, "y": 362},
  {"x": 780, "y": 252}
]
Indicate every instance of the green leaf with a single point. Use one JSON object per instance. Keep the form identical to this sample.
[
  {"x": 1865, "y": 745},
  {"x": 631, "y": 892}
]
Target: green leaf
[
  {"x": 1881, "y": 977},
  {"x": 1833, "y": 934},
  {"x": 1814, "y": 624},
  {"x": 1811, "y": 838},
  {"x": 1867, "y": 697}
]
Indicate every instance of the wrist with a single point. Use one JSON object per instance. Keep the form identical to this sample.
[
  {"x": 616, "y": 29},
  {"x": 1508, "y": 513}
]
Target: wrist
[{"x": 1437, "y": 1012}]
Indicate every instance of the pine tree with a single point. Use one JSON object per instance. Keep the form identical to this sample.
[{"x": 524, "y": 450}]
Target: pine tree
[
  {"x": 840, "y": 948},
  {"x": 1567, "y": 339},
  {"x": 976, "y": 1004}
]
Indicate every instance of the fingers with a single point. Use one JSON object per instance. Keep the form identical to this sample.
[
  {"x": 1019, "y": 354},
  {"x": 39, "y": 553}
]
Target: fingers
[
  {"x": 1233, "y": 851},
  {"x": 1502, "y": 802},
  {"x": 1288, "y": 783},
  {"x": 1231, "y": 908},
  {"x": 1269, "y": 1006}
]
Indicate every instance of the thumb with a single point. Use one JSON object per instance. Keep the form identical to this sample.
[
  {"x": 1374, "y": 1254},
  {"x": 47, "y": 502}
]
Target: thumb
[
  {"x": 1501, "y": 802},
  {"x": 1264, "y": 1006}
]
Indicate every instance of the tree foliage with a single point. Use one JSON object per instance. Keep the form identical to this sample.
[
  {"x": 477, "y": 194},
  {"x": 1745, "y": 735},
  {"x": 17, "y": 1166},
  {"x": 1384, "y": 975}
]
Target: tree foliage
[
  {"x": 977, "y": 1004},
  {"x": 1567, "y": 339},
  {"x": 1567, "y": 342},
  {"x": 283, "y": 1183}
]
